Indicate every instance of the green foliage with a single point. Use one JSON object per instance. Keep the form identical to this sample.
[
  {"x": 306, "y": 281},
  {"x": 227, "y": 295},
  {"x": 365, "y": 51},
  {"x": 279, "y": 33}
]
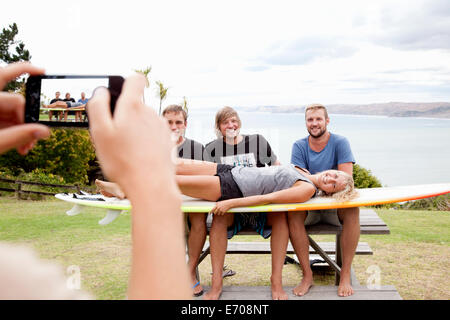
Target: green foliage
[
  {"x": 440, "y": 203},
  {"x": 66, "y": 153},
  {"x": 39, "y": 175},
  {"x": 364, "y": 179},
  {"x": 12, "y": 50},
  {"x": 145, "y": 72},
  {"x": 161, "y": 93}
]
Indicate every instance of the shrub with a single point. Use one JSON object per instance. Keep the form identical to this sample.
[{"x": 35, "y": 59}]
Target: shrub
[
  {"x": 441, "y": 203},
  {"x": 66, "y": 153},
  {"x": 364, "y": 179}
]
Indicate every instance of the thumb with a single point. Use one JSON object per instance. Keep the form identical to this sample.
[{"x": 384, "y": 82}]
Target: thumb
[{"x": 17, "y": 136}]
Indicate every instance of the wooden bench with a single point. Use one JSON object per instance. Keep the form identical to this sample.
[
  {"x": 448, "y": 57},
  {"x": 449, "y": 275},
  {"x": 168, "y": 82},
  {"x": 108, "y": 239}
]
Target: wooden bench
[{"x": 330, "y": 252}]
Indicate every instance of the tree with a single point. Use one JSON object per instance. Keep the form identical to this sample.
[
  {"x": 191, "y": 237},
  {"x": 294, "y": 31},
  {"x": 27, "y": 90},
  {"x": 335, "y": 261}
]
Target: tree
[
  {"x": 65, "y": 153},
  {"x": 162, "y": 93},
  {"x": 12, "y": 50},
  {"x": 145, "y": 72},
  {"x": 184, "y": 104}
]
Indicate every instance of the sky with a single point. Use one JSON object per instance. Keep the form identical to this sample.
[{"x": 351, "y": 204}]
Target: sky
[{"x": 248, "y": 53}]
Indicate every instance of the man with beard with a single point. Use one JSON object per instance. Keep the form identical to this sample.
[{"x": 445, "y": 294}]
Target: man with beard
[{"x": 323, "y": 150}]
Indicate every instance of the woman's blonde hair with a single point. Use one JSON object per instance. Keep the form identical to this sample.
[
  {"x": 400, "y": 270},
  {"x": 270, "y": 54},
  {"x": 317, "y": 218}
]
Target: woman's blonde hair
[{"x": 349, "y": 192}]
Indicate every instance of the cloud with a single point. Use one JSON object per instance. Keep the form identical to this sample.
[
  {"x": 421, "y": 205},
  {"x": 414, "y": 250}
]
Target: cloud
[
  {"x": 416, "y": 27},
  {"x": 307, "y": 49}
]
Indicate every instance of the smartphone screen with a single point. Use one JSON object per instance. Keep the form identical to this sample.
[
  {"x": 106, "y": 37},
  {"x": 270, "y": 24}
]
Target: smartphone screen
[{"x": 62, "y": 100}]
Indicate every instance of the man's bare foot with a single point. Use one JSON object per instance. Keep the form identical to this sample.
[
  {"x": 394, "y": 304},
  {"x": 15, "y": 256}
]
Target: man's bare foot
[
  {"x": 304, "y": 286},
  {"x": 279, "y": 293},
  {"x": 277, "y": 289},
  {"x": 213, "y": 294},
  {"x": 197, "y": 289},
  {"x": 109, "y": 189},
  {"x": 345, "y": 288}
]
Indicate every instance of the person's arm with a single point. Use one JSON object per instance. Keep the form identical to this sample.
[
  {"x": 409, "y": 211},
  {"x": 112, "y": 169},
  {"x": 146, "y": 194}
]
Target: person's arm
[
  {"x": 345, "y": 156},
  {"x": 298, "y": 157},
  {"x": 346, "y": 167},
  {"x": 297, "y": 194},
  {"x": 158, "y": 269}
]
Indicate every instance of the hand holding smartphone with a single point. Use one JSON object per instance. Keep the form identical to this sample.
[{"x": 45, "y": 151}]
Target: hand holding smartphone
[{"x": 62, "y": 100}]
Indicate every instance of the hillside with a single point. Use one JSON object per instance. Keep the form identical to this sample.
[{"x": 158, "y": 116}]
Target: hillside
[{"x": 391, "y": 109}]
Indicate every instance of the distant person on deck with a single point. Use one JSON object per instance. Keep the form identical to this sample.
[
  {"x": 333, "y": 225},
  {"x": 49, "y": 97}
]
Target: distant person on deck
[
  {"x": 82, "y": 101},
  {"x": 56, "y": 102},
  {"x": 319, "y": 151}
]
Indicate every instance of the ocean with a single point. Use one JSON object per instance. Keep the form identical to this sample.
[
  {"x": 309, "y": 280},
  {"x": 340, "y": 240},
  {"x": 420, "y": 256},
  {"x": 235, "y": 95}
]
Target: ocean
[{"x": 398, "y": 151}]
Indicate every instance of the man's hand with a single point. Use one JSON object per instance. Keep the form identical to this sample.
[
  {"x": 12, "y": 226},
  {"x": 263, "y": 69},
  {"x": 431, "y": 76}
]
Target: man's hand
[{"x": 13, "y": 133}]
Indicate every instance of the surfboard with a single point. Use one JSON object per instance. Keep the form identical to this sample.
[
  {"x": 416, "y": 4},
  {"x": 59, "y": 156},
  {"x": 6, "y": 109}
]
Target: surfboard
[{"x": 367, "y": 197}]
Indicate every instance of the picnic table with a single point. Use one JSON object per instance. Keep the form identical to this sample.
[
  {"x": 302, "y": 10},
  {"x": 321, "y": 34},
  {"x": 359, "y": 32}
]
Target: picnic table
[
  {"x": 329, "y": 252},
  {"x": 59, "y": 109}
]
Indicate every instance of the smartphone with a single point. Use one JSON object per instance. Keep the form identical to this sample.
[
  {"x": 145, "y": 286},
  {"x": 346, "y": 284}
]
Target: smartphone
[{"x": 62, "y": 100}]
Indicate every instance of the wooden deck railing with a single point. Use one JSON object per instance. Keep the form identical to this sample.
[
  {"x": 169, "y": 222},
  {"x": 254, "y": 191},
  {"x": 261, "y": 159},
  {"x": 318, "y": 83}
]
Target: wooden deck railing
[{"x": 18, "y": 187}]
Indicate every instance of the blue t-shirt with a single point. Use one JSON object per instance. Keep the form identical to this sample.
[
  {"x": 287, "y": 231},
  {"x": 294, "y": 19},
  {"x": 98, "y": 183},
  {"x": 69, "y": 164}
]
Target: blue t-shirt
[
  {"x": 83, "y": 101},
  {"x": 336, "y": 151}
]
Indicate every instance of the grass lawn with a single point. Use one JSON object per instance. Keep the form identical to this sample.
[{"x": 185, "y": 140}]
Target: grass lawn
[{"x": 415, "y": 257}]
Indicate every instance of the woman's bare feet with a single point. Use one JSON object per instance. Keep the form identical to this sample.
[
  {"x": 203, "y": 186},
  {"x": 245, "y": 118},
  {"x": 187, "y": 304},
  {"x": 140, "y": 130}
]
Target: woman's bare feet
[
  {"x": 109, "y": 189},
  {"x": 304, "y": 285}
]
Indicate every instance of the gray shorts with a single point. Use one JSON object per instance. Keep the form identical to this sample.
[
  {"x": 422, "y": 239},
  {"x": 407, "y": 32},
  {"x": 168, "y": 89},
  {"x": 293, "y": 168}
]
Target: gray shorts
[{"x": 328, "y": 216}]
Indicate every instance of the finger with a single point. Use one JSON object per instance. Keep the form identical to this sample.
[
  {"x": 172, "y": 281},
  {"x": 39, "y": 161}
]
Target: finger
[
  {"x": 13, "y": 70},
  {"x": 21, "y": 135},
  {"x": 11, "y": 109},
  {"x": 100, "y": 118},
  {"x": 23, "y": 150},
  {"x": 132, "y": 92}
]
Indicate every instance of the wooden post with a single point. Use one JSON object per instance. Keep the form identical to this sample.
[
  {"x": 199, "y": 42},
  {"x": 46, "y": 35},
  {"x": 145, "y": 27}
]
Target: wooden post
[
  {"x": 18, "y": 189},
  {"x": 338, "y": 257}
]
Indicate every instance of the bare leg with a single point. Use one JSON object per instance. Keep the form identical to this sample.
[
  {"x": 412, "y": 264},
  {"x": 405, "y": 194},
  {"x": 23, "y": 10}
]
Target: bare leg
[
  {"x": 203, "y": 187},
  {"x": 195, "y": 167},
  {"x": 218, "y": 242},
  {"x": 196, "y": 241},
  {"x": 349, "y": 242},
  {"x": 278, "y": 245},
  {"x": 300, "y": 242}
]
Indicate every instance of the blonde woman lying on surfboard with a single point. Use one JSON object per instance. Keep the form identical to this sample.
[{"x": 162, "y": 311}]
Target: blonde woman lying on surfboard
[{"x": 250, "y": 186}]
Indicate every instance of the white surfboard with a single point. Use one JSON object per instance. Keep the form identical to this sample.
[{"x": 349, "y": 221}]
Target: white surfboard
[{"x": 367, "y": 197}]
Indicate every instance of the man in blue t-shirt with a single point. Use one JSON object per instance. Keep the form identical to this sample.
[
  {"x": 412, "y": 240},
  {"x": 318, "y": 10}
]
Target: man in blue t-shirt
[{"x": 320, "y": 151}]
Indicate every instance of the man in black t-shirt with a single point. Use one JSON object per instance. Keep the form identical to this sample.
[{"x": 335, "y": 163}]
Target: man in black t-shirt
[
  {"x": 176, "y": 118},
  {"x": 235, "y": 149},
  {"x": 68, "y": 100},
  {"x": 55, "y": 103}
]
